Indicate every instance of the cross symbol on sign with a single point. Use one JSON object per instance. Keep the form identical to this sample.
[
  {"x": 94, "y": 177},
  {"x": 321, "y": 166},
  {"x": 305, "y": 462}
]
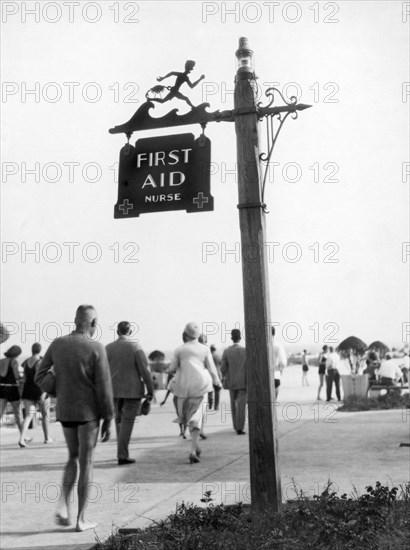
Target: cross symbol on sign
[
  {"x": 125, "y": 206},
  {"x": 200, "y": 200}
]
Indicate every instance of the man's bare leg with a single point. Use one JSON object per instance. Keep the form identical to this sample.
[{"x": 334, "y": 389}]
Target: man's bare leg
[
  {"x": 63, "y": 516},
  {"x": 87, "y": 437}
]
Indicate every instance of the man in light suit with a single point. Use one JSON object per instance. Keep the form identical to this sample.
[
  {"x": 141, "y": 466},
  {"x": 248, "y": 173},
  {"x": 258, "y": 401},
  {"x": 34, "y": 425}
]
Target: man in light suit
[{"x": 129, "y": 371}]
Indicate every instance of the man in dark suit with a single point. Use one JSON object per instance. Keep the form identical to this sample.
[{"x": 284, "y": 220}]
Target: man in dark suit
[
  {"x": 233, "y": 368},
  {"x": 129, "y": 372}
]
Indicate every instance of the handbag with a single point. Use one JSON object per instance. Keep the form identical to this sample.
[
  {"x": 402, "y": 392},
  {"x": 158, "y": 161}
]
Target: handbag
[
  {"x": 146, "y": 404},
  {"x": 146, "y": 407}
]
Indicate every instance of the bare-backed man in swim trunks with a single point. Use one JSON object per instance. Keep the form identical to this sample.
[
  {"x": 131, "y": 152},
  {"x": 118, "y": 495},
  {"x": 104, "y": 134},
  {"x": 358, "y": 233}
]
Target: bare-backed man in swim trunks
[{"x": 84, "y": 396}]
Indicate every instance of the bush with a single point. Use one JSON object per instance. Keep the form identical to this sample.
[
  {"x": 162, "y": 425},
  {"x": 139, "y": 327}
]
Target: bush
[
  {"x": 391, "y": 400},
  {"x": 377, "y": 520}
]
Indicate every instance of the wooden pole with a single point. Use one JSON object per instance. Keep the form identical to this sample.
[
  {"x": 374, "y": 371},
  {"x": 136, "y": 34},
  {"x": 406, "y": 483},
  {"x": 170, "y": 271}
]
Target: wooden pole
[{"x": 264, "y": 466}]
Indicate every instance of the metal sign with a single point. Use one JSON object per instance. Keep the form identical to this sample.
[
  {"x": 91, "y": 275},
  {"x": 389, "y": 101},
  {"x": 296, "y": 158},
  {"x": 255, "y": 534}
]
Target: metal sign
[{"x": 164, "y": 173}]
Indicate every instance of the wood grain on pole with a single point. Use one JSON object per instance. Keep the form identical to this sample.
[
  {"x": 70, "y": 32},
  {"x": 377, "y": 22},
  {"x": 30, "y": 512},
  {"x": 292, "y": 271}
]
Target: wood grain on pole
[{"x": 264, "y": 465}]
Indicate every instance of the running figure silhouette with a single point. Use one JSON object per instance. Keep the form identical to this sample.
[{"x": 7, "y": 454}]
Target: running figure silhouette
[{"x": 181, "y": 78}]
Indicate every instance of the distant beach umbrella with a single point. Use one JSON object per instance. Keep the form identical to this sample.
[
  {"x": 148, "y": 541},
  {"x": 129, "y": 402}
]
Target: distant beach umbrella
[
  {"x": 156, "y": 355},
  {"x": 353, "y": 345},
  {"x": 353, "y": 348},
  {"x": 379, "y": 347}
]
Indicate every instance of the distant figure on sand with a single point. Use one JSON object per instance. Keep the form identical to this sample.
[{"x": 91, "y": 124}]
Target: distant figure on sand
[
  {"x": 33, "y": 395},
  {"x": 192, "y": 383},
  {"x": 322, "y": 369},
  {"x": 305, "y": 369},
  {"x": 332, "y": 374},
  {"x": 9, "y": 384},
  {"x": 84, "y": 396}
]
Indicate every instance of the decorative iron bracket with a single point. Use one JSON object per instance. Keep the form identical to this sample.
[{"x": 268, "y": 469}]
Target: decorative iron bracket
[
  {"x": 142, "y": 120},
  {"x": 291, "y": 108}
]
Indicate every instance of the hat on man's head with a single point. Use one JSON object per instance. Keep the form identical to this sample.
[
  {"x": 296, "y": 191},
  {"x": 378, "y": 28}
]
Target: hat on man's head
[{"x": 192, "y": 330}]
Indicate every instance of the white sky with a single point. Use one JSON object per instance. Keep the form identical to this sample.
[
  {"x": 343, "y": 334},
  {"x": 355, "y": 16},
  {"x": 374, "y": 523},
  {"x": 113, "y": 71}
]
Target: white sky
[{"x": 353, "y": 72}]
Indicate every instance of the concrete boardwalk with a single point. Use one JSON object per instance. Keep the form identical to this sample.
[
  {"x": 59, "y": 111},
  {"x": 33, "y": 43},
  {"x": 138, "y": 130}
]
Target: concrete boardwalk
[{"x": 316, "y": 443}]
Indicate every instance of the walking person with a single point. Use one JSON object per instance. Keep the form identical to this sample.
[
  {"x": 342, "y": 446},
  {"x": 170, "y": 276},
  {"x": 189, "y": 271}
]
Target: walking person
[
  {"x": 192, "y": 383},
  {"x": 305, "y": 369},
  {"x": 9, "y": 384},
  {"x": 156, "y": 367},
  {"x": 170, "y": 389},
  {"x": 33, "y": 395},
  {"x": 170, "y": 383},
  {"x": 129, "y": 371},
  {"x": 322, "y": 369},
  {"x": 332, "y": 374},
  {"x": 279, "y": 360},
  {"x": 203, "y": 339},
  {"x": 84, "y": 396},
  {"x": 217, "y": 390},
  {"x": 233, "y": 369},
  {"x": 212, "y": 403}
]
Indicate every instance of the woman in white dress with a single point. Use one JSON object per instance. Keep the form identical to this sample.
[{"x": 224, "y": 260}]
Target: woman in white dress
[{"x": 195, "y": 376}]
